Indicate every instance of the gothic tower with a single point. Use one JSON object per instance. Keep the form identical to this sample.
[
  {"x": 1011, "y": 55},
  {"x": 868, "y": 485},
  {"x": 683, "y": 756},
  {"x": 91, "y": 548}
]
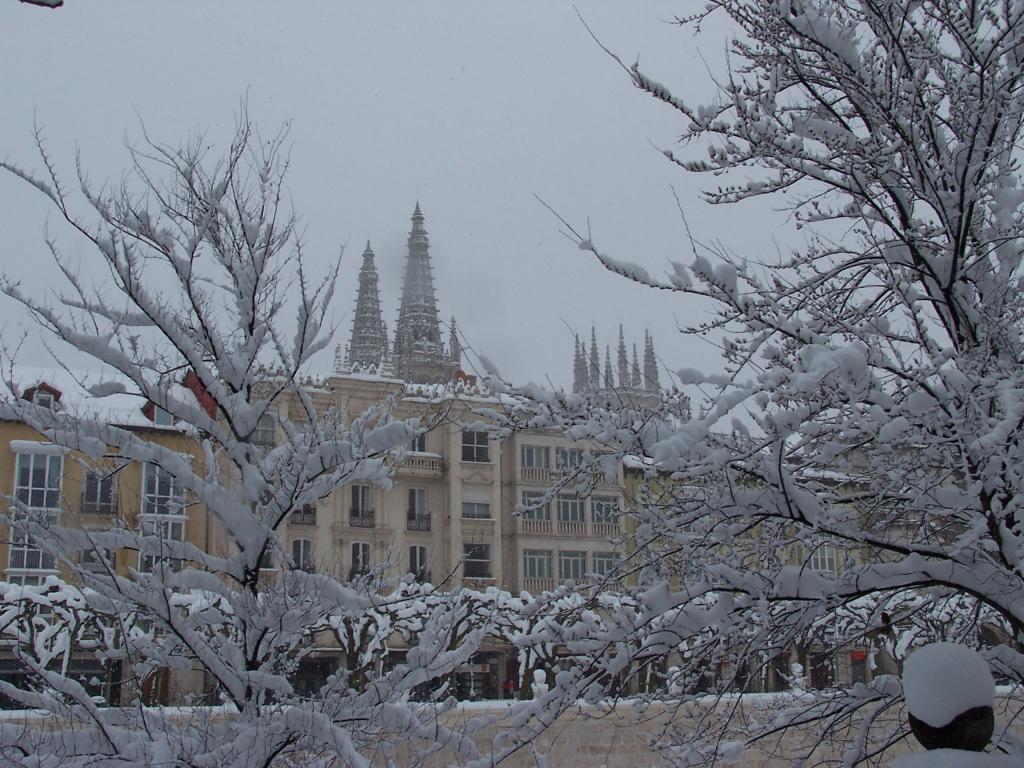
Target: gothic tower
[
  {"x": 635, "y": 380},
  {"x": 623, "y": 360},
  {"x": 418, "y": 354},
  {"x": 454, "y": 345},
  {"x": 595, "y": 360},
  {"x": 650, "y": 363},
  {"x": 580, "y": 376},
  {"x": 368, "y": 347}
]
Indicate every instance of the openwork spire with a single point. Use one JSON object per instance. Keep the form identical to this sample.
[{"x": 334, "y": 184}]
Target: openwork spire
[
  {"x": 650, "y": 363},
  {"x": 580, "y": 379},
  {"x": 623, "y": 360},
  {"x": 615, "y": 373},
  {"x": 454, "y": 345},
  {"x": 368, "y": 347},
  {"x": 419, "y": 354}
]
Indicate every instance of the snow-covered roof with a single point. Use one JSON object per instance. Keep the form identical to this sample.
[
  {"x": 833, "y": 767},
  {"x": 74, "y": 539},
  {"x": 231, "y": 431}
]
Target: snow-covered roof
[
  {"x": 88, "y": 393},
  {"x": 363, "y": 375},
  {"x": 632, "y": 461}
]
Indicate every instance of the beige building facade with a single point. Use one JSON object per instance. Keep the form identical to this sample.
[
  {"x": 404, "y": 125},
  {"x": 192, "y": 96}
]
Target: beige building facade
[
  {"x": 464, "y": 509},
  {"x": 83, "y": 493}
]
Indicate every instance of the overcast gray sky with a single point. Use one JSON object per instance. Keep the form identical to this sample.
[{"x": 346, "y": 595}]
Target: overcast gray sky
[{"x": 471, "y": 108}]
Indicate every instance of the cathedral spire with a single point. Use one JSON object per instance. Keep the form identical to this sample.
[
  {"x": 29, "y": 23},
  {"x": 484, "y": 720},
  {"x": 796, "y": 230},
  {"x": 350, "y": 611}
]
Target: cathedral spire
[
  {"x": 635, "y": 377},
  {"x": 609, "y": 382},
  {"x": 623, "y": 361},
  {"x": 580, "y": 380},
  {"x": 595, "y": 360},
  {"x": 454, "y": 345},
  {"x": 419, "y": 354},
  {"x": 650, "y": 363},
  {"x": 368, "y": 347}
]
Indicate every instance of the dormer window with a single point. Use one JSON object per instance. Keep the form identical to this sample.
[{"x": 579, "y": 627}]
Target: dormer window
[
  {"x": 43, "y": 395},
  {"x": 157, "y": 415}
]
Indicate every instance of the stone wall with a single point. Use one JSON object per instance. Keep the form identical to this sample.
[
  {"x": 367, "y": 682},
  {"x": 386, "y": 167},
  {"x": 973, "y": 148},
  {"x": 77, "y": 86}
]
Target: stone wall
[{"x": 589, "y": 737}]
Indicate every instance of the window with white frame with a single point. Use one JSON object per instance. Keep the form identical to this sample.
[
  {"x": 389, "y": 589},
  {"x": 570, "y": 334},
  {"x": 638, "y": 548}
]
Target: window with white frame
[
  {"x": 604, "y": 563},
  {"x": 537, "y": 563},
  {"x": 163, "y": 515},
  {"x": 604, "y": 509},
  {"x": 825, "y": 558},
  {"x": 161, "y": 492},
  {"x": 570, "y": 508},
  {"x": 166, "y": 530},
  {"x": 534, "y": 456},
  {"x": 418, "y": 565},
  {"x": 37, "y": 479},
  {"x": 98, "y": 493},
  {"x": 302, "y": 555},
  {"x": 476, "y": 510},
  {"x": 531, "y": 510},
  {"x": 476, "y": 561},
  {"x": 567, "y": 459},
  {"x": 162, "y": 417},
  {"x": 25, "y": 554},
  {"x": 419, "y": 443},
  {"x": 475, "y": 446},
  {"x": 572, "y": 565},
  {"x": 42, "y": 399},
  {"x": 360, "y": 557},
  {"x": 30, "y": 579}
]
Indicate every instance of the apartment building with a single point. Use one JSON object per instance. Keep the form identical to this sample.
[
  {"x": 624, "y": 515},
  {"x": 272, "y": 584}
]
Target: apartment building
[
  {"x": 68, "y": 489},
  {"x": 440, "y": 520},
  {"x": 561, "y": 526},
  {"x": 463, "y": 509}
]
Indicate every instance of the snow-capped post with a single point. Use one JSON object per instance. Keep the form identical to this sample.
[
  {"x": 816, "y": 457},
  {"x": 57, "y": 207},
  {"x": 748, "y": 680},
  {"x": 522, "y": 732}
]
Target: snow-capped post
[
  {"x": 540, "y": 683},
  {"x": 797, "y": 679},
  {"x": 675, "y": 688},
  {"x": 949, "y": 693}
]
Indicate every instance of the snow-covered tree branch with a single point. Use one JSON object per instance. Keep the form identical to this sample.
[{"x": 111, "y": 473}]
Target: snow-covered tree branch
[
  {"x": 208, "y": 320},
  {"x": 856, "y": 473}
]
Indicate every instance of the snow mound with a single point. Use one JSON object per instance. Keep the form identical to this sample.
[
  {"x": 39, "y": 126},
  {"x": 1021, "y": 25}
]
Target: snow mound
[{"x": 943, "y": 680}]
